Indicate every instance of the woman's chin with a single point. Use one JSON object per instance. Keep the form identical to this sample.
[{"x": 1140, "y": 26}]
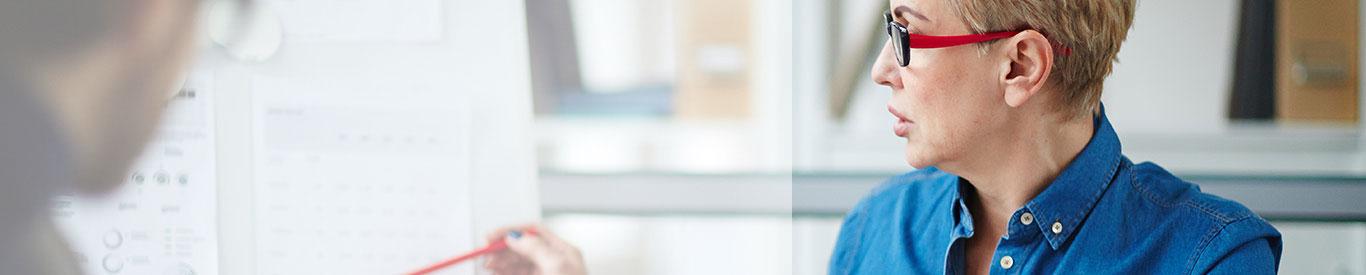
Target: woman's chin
[{"x": 918, "y": 157}]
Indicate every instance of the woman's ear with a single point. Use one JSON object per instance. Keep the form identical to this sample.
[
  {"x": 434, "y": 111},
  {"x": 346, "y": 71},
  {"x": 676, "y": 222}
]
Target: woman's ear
[{"x": 1030, "y": 57}]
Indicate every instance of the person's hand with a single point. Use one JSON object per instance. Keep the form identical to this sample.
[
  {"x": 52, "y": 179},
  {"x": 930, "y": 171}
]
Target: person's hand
[{"x": 540, "y": 253}]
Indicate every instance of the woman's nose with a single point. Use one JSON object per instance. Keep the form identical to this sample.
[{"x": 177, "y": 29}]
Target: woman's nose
[{"x": 884, "y": 69}]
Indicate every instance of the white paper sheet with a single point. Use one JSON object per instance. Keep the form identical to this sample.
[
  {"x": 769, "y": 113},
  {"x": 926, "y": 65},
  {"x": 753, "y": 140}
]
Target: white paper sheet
[
  {"x": 358, "y": 174},
  {"x": 163, "y": 220}
]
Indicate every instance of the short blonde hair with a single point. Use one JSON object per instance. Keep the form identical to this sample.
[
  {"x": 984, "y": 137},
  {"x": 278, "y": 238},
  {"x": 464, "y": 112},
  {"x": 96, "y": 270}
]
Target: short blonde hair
[{"x": 1092, "y": 30}]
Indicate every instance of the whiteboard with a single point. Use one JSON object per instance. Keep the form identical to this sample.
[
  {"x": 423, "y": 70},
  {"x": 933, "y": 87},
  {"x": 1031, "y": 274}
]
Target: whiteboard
[
  {"x": 463, "y": 83},
  {"x": 382, "y": 136}
]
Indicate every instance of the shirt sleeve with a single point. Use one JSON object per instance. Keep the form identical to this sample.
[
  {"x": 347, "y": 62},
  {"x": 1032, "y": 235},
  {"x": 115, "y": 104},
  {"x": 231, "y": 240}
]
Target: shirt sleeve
[{"x": 1247, "y": 246}]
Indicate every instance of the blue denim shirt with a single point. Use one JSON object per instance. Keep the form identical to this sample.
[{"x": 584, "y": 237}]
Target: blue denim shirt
[{"x": 1102, "y": 215}]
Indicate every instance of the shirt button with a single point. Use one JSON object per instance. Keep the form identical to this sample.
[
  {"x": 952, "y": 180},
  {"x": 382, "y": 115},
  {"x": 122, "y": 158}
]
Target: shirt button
[
  {"x": 1007, "y": 262},
  {"x": 1027, "y": 218},
  {"x": 1057, "y": 227}
]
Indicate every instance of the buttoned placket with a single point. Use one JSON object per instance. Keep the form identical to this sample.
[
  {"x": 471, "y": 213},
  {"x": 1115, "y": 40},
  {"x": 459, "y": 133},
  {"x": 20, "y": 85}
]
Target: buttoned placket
[{"x": 1014, "y": 249}]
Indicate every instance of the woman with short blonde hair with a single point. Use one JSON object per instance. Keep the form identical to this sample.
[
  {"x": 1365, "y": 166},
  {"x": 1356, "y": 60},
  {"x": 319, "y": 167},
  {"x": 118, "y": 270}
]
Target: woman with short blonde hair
[{"x": 1020, "y": 170}]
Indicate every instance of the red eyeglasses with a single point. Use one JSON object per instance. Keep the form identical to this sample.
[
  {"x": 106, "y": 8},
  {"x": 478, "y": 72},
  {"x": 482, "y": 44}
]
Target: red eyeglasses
[{"x": 904, "y": 41}]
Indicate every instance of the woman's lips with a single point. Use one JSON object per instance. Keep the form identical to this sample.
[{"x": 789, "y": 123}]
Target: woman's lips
[
  {"x": 903, "y": 125},
  {"x": 902, "y": 128}
]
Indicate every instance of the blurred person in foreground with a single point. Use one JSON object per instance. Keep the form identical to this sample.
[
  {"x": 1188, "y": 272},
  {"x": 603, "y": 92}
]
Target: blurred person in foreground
[{"x": 83, "y": 84}]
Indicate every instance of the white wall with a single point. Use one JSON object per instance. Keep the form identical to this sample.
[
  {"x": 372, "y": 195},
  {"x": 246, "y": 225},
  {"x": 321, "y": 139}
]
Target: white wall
[{"x": 1174, "y": 71}]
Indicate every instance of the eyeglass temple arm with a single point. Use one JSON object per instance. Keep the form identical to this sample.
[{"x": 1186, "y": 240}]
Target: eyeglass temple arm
[{"x": 920, "y": 41}]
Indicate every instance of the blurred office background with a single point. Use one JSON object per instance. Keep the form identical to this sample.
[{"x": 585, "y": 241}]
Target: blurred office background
[{"x": 728, "y": 137}]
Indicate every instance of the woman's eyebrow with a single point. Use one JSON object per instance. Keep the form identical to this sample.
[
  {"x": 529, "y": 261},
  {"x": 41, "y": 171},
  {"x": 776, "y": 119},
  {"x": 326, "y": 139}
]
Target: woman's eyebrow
[{"x": 900, "y": 10}]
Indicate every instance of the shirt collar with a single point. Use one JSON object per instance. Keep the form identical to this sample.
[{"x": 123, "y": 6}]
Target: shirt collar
[
  {"x": 961, "y": 217},
  {"x": 1069, "y": 199}
]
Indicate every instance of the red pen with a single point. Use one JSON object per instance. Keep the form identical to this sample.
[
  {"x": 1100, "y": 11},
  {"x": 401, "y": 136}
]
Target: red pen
[{"x": 493, "y": 247}]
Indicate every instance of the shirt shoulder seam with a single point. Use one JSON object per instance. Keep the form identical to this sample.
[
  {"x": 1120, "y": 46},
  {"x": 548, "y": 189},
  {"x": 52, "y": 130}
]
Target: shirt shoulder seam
[
  {"x": 1207, "y": 240},
  {"x": 1221, "y": 217},
  {"x": 1142, "y": 188},
  {"x": 1192, "y": 200}
]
